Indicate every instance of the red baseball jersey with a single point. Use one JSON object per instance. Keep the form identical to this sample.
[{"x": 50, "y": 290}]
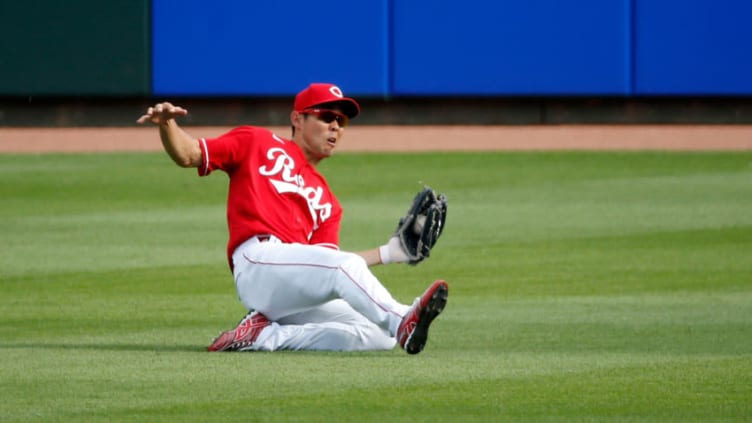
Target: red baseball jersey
[{"x": 273, "y": 189}]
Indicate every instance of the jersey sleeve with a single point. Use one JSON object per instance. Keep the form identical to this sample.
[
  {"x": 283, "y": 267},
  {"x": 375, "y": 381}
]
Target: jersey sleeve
[
  {"x": 327, "y": 235},
  {"x": 226, "y": 151}
]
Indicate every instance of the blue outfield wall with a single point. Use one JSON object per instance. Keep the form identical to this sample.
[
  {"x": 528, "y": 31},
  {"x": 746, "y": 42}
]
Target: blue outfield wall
[
  {"x": 699, "y": 47},
  {"x": 239, "y": 47},
  {"x": 403, "y": 48},
  {"x": 531, "y": 47}
]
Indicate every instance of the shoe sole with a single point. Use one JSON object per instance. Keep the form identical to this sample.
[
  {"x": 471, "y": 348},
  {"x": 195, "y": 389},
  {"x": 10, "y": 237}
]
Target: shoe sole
[{"x": 433, "y": 308}]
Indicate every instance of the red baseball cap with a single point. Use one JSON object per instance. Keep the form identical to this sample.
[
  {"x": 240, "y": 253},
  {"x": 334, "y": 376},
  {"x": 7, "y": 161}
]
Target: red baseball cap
[{"x": 323, "y": 95}]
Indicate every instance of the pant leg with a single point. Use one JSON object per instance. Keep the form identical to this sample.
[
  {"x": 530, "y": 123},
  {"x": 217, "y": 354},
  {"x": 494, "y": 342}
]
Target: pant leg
[
  {"x": 281, "y": 280},
  {"x": 334, "y": 326}
]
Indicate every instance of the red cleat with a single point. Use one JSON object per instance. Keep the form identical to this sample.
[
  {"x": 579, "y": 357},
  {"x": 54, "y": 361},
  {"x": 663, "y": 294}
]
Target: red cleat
[
  {"x": 243, "y": 336},
  {"x": 413, "y": 330}
]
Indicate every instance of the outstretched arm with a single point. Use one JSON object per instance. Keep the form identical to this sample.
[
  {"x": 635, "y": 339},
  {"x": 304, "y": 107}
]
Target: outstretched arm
[
  {"x": 391, "y": 252},
  {"x": 372, "y": 257},
  {"x": 181, "y": 147}
]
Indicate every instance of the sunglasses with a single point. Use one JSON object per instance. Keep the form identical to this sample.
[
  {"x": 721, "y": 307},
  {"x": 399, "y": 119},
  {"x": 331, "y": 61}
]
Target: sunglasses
[{"x": 328, "y": 116}]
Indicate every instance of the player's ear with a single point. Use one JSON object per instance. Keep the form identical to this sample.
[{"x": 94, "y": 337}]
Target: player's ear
[
  {"x": 296, "y": 118},
  {"x": 296, "y": 121}
]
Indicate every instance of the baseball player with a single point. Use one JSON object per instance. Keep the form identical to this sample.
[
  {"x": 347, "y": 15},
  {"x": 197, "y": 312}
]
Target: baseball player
[{"x": 302, "y": 292}]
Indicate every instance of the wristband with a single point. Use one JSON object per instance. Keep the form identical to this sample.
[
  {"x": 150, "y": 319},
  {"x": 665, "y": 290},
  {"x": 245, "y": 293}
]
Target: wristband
[
  {"x": 392, "y": 252},
  {"x": 384, "y": 254}
]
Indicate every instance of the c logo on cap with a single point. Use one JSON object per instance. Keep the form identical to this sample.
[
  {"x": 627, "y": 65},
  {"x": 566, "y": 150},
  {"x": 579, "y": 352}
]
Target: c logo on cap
[{"x": 336, "y": 91}]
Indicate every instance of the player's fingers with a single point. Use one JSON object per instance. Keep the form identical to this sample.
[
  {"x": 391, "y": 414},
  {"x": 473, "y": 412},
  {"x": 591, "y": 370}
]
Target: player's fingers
[
  {"x": 161, "y": 112},
  {"x": 169, "y": 108},
  {"x": 147, "y": 116}
]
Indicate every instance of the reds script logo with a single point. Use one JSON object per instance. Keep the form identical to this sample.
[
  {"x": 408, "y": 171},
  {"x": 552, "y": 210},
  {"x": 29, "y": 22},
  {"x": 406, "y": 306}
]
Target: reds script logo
[{"x": 288, "y": 183}]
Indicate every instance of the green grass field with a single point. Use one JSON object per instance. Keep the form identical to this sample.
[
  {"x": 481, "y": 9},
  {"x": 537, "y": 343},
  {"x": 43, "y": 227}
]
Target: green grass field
[{"x": 584, "y": 287}]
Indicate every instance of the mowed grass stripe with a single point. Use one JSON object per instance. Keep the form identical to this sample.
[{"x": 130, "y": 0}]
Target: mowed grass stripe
[{"x": 584, "y": 287}]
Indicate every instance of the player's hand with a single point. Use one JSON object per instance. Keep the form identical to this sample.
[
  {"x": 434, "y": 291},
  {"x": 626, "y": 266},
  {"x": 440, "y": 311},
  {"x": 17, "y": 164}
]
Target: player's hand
[{"x": 162, "y": 112}]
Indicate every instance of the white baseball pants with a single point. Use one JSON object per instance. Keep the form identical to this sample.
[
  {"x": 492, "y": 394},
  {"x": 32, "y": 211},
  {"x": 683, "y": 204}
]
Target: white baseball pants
[{"x": 317, "y": 298}]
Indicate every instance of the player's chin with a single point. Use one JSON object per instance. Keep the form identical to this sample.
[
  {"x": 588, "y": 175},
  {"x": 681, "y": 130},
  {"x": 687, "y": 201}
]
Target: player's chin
[
  {"x": 329, "y": 148},
  {"x": 324, "y": 153}
]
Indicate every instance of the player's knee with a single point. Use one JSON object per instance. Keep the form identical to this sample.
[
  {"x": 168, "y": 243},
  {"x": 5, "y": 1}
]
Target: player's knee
[{"x": 353, "y": 261}]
